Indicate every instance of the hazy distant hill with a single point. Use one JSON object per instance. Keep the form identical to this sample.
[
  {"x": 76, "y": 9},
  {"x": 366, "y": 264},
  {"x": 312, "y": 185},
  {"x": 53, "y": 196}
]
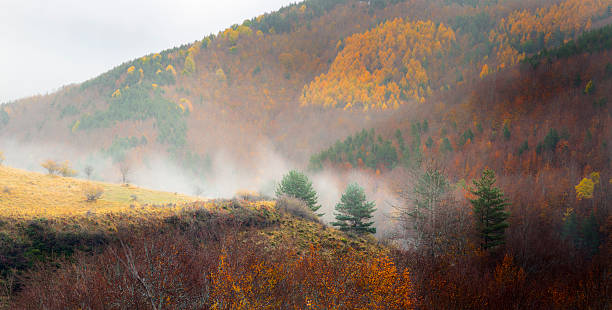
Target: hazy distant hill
[
  {"x": 247, "y": 83},
  {"x": 381, "y": 92}
]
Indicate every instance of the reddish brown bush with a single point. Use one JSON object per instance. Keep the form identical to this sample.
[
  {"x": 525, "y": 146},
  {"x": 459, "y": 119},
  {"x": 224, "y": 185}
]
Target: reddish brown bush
[{"x": 224, "y": 269}]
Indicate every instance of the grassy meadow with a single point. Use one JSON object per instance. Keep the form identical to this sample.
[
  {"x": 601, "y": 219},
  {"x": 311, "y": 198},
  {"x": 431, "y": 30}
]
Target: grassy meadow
[{"x": 26, "y": 195}]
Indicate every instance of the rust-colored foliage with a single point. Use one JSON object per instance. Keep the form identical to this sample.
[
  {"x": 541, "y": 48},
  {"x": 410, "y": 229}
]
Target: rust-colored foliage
[{"x": 219, "y": 267}]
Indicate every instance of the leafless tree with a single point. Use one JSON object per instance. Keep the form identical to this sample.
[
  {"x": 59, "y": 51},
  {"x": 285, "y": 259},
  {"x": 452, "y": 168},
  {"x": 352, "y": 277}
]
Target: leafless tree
[
  {"x": 198, "y": 190},
  {"x": 88, "y": 171},
  {"x": 124, "y": 170},
  {"x": 431, "y": 219},
  {"x": 127, "y": 260}
]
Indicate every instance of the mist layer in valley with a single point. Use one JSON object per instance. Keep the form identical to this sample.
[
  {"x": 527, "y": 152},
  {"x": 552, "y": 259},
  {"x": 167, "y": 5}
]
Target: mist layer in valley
[{"x": 225, "y": 178}]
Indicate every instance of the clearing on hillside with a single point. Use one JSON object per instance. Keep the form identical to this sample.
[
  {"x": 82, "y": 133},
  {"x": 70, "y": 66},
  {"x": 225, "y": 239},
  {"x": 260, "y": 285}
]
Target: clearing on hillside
[{"x": 26, "y": 195}]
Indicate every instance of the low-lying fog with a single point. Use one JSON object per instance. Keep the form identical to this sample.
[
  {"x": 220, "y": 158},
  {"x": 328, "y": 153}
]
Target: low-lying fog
[{"x": 226, "y": 177}]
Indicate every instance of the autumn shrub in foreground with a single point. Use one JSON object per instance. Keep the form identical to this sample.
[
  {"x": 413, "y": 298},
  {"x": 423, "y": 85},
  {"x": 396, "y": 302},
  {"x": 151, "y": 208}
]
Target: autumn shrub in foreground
[
  {"x": 296, "y": 207},
  {"x": 224, "y": 268},
  {"x": 93, "y": 192}
]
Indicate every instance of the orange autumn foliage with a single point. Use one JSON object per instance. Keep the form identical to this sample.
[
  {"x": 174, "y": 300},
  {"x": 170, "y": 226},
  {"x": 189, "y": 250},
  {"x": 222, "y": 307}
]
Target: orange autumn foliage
[
  {"x": 348, "y": 280},
  {"x": 382, "y": 68},
  {"x": 522, "y": 26}
]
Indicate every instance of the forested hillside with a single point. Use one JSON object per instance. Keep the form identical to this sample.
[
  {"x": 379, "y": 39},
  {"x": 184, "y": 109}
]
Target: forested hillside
[
  {"x": 345, "y": 54},
  {"x": 419, "y": 97}
]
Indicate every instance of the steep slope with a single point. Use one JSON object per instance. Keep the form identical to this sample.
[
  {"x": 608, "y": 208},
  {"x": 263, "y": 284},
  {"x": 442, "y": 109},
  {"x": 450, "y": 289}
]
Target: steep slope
[
  {"x": 521, "y": 87},
  {"x": 246, "y": 84},
  {"x": 544, "y": 127},
  {"x": 560, "y": 93},
  {"x": 254, "y": 246}
]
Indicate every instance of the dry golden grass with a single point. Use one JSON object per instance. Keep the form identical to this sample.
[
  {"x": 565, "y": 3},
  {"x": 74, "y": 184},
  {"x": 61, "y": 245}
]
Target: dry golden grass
[{"x": 26, "y": 195}]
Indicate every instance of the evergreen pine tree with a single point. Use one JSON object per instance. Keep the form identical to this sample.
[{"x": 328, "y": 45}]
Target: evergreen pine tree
[
  {"x": 400, "y": 141},
  {"x": 296, "y": 184},
  {"x": 354, "y": 210},
  {"x": 590, "y": 233},
  {"x": 446, "y": 146},
  {"x": 569, "y": 230},
  {"x": 507, "y": 132},
  {"x": 429, "y": 142},
  {"x": 489, "y": 210}
]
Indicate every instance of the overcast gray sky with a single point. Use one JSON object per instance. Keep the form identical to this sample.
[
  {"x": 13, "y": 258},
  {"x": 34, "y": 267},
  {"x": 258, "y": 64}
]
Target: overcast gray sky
[{"x": 45, "y": 44}]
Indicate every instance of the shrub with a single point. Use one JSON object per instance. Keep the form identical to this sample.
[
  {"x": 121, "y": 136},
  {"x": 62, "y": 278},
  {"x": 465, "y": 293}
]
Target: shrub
[
  {"x": 66, "y": 171},
  {"x": 220, "y": 269},
  {"x": 248, "y": 195},
  {"x": 93, "y": 192},
  {"x": 295, "y": 207},
  {"x": 51, "y": 166},
  {"x": 297, "y": 184},
  {"x": 62, "y": 169}
]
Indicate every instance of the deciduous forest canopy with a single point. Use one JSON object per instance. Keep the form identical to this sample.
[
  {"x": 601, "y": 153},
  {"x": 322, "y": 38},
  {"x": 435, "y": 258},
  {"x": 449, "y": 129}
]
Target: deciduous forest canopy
[{"x": 456, "y": 152}]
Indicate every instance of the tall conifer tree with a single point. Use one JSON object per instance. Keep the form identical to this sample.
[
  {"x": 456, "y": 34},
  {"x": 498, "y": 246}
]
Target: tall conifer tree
[
  {"x": 489, "y": 210},
  {"x": 354, "y": 210}
]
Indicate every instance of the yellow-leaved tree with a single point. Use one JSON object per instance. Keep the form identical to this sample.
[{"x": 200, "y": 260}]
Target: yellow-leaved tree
[
  {"x": 586, "y": 187},
  {"x": 485, "y": 71},
  {"x": 170, "y": 68},
  {"x": 189, "y": 65}
]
